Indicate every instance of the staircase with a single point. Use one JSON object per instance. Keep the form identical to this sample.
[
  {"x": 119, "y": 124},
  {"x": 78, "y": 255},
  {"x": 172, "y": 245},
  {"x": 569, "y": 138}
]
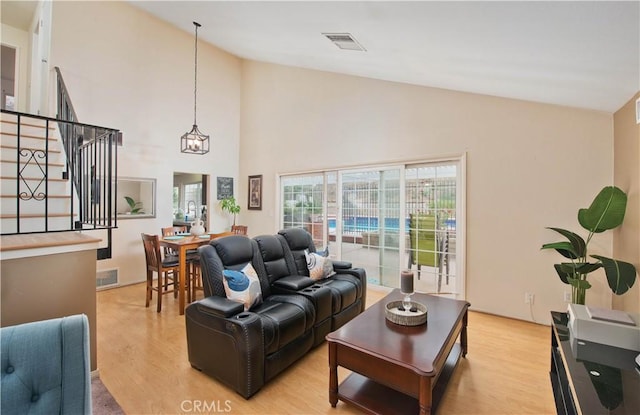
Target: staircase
[
  {"x": 57, "y": 175},
  {"x": 35, "y": 196}
]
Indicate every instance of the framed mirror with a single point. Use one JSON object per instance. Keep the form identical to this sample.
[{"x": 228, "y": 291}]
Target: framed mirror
[{"x": 136, "y": 198}]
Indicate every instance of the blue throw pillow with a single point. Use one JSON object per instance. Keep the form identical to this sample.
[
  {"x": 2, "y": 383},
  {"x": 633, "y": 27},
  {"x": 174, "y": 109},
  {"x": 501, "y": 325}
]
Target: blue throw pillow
[{"x": 243, "y": 286}]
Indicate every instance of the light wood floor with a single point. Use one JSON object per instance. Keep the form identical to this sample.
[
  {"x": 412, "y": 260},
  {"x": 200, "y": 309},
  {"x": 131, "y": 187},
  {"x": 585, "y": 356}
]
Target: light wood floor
[{"x": 142, "y": 360}]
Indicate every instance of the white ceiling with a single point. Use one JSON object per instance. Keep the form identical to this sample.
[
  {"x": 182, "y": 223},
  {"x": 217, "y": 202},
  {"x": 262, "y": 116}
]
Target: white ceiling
[{"x": 581, "y": 54}]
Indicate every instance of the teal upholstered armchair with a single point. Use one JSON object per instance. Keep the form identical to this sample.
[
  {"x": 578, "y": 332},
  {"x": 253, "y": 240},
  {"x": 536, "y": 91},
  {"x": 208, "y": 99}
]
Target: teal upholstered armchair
[{"x": 45, "y": 367}]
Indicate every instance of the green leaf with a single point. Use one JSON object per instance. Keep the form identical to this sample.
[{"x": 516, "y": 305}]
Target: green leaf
[
  {"x": 620, "y": 275},
  {"x": 578, "y": 283},
  {"x": 606, "y": 211},
  {"x": 564, "y": 248},
  {"x": 130, "y": 202},
  {"x": 564, "y": 276},
  {"x": 587, "y": 267},
  {"x": 578, "y": 244},
  {"x": 572, "y": 268}
]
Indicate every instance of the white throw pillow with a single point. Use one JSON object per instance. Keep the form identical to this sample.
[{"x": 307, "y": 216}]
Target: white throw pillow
[
  {"x": 319, "y": 267},
  {"x": 243, "y": 286}
]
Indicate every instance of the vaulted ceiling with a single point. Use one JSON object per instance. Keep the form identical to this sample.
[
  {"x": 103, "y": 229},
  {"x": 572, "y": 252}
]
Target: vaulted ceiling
[{"x": 582, "y": 54}]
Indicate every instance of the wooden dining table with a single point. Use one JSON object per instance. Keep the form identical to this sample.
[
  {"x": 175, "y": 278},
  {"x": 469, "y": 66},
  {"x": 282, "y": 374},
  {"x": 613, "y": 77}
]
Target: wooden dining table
[{"x": 181, "y": 244}]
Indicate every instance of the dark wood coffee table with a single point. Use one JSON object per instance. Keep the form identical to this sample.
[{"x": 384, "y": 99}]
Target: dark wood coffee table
[{"x": 398, "y": 369}]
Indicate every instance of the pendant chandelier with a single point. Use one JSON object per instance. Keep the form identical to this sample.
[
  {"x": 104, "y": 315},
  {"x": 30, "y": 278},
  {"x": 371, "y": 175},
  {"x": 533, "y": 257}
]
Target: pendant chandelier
[{"x": 194, "y": 141}]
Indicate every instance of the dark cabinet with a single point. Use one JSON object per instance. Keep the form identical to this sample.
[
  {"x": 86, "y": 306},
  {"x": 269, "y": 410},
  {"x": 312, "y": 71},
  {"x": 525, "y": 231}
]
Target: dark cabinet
[{"x": 591, "y": 378}]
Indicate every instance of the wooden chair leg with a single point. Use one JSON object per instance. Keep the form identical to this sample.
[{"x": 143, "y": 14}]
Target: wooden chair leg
[
  {"x": 149, "y": 287},
  {"x": 194, "y": 279},
  {"x": 176, "y": 283},
  {"x": 161, "y": 290},
  {"x": 187, "y": 283}
]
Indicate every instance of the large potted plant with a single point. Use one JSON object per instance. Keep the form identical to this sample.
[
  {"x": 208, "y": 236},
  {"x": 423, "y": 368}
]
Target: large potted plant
[
  {"x": 606, "y": 212},
  {"x": 229, "y": 204}
]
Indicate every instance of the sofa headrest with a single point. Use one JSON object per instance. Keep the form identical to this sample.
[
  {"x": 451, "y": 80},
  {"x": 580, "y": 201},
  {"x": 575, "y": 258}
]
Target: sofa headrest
[
  {"x": 233, "y": 250},
  {"x": 270, "y": 247},
  {"x": 298, "y": 239}
]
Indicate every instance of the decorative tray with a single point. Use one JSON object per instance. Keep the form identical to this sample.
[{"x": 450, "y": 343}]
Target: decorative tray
[{"x": 406, "y": 317}]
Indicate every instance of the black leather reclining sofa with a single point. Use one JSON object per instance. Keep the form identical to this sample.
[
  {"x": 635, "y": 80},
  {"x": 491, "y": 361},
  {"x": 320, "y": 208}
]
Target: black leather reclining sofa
[{"x": 246, "y": 349}]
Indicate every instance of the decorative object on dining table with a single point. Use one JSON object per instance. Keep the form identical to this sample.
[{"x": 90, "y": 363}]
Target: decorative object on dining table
[{"x": 197, "y": 227}]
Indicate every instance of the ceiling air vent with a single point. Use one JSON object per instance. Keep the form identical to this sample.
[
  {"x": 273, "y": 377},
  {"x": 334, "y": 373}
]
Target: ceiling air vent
[{"x": 344, "y": 41}]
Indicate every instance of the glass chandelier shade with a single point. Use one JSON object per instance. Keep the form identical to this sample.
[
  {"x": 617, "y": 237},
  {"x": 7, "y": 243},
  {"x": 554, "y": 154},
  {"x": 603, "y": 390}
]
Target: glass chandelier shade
[{"x": 194, "y": 141}]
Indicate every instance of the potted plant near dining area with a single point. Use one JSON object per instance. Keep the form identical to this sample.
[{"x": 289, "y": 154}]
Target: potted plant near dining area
[
  {"x": 229, "y": 204},
  {"x": 606, "y": 212}
]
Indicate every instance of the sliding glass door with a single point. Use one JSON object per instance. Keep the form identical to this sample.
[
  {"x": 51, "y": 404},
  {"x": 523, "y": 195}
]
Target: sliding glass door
[
  {"x": 432, "y": 214},
  {"x": 386, "y": 219},
  {"x": 370, "y": 217}
]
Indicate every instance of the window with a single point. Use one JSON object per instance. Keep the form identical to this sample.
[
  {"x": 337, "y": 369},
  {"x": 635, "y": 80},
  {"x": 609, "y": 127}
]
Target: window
[
  {"x": 192, "y": 199},
  {"x": 379, "y": 218},
  {"x": 302, "y": 201}
]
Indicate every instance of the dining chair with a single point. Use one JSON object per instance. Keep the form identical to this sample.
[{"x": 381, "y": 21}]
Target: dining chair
[
  {"x": 168, "y": 270},
  {"x": 196, "y": 282},
  {"x": 213, "y": 236},
  {"x": 171, "y": 231},
  {"x": 239, "y": 229},
  {"x": 193, "y": 264},
  {"x": 426, "y": 245}
]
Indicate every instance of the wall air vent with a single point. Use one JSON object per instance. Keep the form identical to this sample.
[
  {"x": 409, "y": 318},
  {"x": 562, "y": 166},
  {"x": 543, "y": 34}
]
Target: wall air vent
[
  {"x": 344, "y": 41},
  {"x": 107, "y": 278}
]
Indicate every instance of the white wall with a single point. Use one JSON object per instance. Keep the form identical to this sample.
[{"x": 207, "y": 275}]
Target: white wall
[
  {"x": 19, "y": 39},
  {"x": 529, "y": 166},
  {"x": 126, "y": 69},
  {"x": 626, "y": 241}
]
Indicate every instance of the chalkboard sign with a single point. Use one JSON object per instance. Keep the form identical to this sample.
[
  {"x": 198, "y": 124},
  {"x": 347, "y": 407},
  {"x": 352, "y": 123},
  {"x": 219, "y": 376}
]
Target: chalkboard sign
[{"x": 225, "y": 187}]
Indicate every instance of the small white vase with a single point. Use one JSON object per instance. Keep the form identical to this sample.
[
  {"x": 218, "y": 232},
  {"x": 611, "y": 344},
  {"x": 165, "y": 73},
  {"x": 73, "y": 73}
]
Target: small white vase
[{"x": 197, "y": 227}]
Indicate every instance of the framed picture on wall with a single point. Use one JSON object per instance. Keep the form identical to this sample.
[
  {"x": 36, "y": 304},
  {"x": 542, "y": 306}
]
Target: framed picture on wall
[
  {"x": 225, "y": 187},
  {"x": 255, "y": 193}
]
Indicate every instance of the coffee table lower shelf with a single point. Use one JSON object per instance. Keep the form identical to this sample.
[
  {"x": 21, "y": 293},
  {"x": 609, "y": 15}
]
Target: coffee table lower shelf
[{"x": 374, "y": 398}]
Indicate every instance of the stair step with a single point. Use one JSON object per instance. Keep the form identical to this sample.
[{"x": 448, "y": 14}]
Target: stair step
[
  {"x": 50, "y": 197},
  {"x": 36, "y": 224},
  {"x": 4, "y": 121},
  {"x": 36, "y": 215},
  {"x": 59, "y": 203},
  {"x": 50, "y": 164},
  {"x": 10, "y": 147},
  {"x": 55, "y": 187},
  {"x": 51, "y": 179},
  {"x": 37, "y": 137},
  {"x": 31, "y": 169}
]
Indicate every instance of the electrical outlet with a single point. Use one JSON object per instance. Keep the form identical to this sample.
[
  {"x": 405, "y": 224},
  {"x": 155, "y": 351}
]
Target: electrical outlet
[
  {"x": 567, "y": 297},
  {"x": 528, "y": 298}
]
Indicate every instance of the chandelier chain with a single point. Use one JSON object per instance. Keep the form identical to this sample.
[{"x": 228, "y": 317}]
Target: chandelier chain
[{"x": 195, "y": 77}]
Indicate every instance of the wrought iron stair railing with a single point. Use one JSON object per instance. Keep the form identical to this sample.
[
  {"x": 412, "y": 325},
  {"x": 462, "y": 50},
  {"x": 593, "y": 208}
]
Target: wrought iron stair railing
[{"x": 88, "y": 167}]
